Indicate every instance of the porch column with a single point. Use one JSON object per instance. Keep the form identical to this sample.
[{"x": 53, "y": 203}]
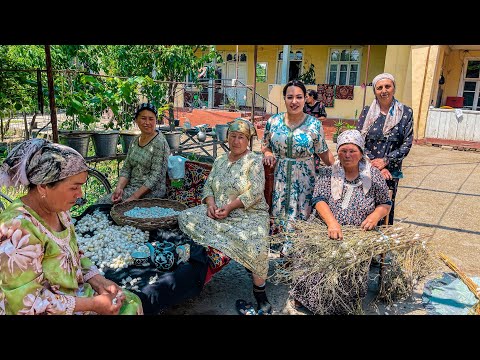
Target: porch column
[{"x": 285, "y": 63}]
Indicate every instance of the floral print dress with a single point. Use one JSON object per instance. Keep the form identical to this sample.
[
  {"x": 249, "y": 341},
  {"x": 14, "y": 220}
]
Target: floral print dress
[
  {"x": 243, "y": 234},
  {"x": 145, "y": 166},
  {"x": 41, "y": 270},
  {"x": 295, "y": 168},
  {"x": 354, "y": 206}
]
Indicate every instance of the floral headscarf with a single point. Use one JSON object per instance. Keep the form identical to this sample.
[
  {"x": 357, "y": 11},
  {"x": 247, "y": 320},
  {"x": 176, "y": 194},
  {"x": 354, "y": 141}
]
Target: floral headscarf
[
  {"x": 394, "y": 114},
  {"x": 39, "y": 161},
  {"x": 242, "y": 125},
  {"x": 364, "y": 166}
]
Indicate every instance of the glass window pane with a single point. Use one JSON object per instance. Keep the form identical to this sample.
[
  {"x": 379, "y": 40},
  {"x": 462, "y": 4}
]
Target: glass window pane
[
  {"x": 355, "y": 55},
  {"x": 345, "y": 55},
  {"x": 469, "y": 86},
  {"x": 343, "y": 67},
  {"x": 473, "y": 69},
  {"x": 478, "y": 104},
  {"x": 280, "y": 55},
  {"x": 468, "y": 98},
  {"x": 229, "y": 57},
  {"x": 353, "y": 67},
  {"x": 292, "y": 55},
  {"x": 343, "y": 78},
  {"x": 353, "y": 78},
  {"x": 333, "y": 67},
  {"x": 243, "y": 57},
  {"x": 332, "y": 78},
  {"x": 298, "y": 55},
  {"x": 335, "y": 55}
]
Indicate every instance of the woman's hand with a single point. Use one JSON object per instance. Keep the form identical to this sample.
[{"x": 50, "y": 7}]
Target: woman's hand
[
  {"x": 269, "y": 159},
  {"x": 103, "y": 285},
  {"x": 107, "y": 304},
  {"x": 117, "y": 195},
  {"x": 370, "y": 222},
  {"x": 335, "y": 231},
  {"x": 379, "y": 163},
  {"x": 211, "y": 210},
  {"x": 223, "y": 212},
  {"x": 386, "y": 174}
]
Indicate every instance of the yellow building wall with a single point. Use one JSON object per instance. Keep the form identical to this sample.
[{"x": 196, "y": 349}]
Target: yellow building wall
[
  {"x": 424, "y": 70},
  {"x": 397, "y": 63},
  {"x": 452, "y": 72}
]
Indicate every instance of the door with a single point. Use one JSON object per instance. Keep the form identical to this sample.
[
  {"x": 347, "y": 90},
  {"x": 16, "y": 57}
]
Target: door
[{"x": 237, "y": 95}]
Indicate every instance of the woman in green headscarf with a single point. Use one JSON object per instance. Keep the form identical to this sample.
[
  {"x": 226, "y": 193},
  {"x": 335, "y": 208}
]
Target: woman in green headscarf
[{"x": 234, "y": 215}]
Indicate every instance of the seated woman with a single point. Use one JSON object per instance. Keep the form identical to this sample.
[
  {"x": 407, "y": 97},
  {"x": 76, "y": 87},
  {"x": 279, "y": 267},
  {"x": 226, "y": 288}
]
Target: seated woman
[
  {"x": 42, "y": 269},
  {"x": 234, "y": 217},
  {"x": 352, "y": 191},
  {"x": 144, "y": 170}
]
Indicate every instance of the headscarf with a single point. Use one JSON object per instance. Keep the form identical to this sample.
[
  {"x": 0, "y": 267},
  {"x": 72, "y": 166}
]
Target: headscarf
[
  {"x": 146, "y": 106},
  {"x": 39, "y": 161},
  {"x": 364, "y": 166},
  {"x": 242, "y": 125},
  {"x": 394, "y": 114}
]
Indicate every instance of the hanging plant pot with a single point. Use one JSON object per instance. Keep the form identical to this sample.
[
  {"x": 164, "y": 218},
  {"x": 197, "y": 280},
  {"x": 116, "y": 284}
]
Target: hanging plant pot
[
  {"x": 105, "y": 143},
  {"x": 126, "y": 138},
  {"x": 75, "y": 139},
  {"x": 173, "y": 139}
]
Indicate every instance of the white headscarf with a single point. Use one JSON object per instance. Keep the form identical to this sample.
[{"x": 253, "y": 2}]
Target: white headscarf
[
  {"x": 394, "y": 114},
  {"x": 364, "y": 166}
]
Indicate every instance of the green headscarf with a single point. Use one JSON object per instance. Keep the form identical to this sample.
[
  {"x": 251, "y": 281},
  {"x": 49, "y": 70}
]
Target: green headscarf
[{"x": 242, "y": 125}]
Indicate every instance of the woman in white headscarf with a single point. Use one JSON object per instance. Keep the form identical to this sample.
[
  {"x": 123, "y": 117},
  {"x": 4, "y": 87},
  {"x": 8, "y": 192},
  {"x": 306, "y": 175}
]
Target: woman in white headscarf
[
  {"x": 352, "y": 191},
  {"x": 387, "y": 127}
]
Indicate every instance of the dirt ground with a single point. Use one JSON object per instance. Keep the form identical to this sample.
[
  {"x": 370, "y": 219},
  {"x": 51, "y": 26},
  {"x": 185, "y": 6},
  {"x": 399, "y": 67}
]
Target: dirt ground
[{"x": 439, "y": 193}]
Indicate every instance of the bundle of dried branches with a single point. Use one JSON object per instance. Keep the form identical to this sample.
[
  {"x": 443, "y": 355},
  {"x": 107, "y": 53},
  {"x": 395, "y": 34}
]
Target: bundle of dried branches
[
  {"x": 331, "y": 277},
  {"x": 472, "y": 286}
]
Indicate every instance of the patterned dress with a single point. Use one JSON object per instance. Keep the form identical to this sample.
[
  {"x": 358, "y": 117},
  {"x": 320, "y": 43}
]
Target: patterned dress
[
  {"x": 295, "y": 168},
  {"x": 354, "y": 206},
  {"x": 145, "y": 166},
  {"x": 243, "y": 234},
  {"x": 395, "y": 146},
  {"x": 41, "y": 270}
]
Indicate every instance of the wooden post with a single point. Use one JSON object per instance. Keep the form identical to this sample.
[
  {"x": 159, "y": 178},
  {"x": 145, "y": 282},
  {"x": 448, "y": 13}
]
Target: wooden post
[
  {"x": 366, "y": 77},
  {"x": 51, "y": 94}
]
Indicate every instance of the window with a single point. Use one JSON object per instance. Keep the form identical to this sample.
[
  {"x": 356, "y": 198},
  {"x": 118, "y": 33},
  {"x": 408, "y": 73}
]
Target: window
[
  {"x": 471, "y": 84},
  {"x": 261, "y": 72},
  {"x": 295, "y": 66},
  {"x": 344, "y": 66}
]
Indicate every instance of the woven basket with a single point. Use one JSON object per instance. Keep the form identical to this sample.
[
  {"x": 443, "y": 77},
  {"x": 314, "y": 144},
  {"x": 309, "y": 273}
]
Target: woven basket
[{"x": 166, "y": 222}]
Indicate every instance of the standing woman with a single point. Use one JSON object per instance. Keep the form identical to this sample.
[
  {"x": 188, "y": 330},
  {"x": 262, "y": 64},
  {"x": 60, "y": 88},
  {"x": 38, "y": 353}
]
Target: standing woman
[
  {"x": 313, "y": 106},
  {"x": 144, "y": 171},
  {"x": 387, "y": 127},
  {"x": 290, "y": 141}
]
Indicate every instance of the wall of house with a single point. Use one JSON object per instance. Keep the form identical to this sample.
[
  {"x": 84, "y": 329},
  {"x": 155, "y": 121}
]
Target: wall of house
[
  {"x": 316, "y": 54},
  {"x": 398, "y": 63},
  {"x": 453, "y": 71},
  {"x": 424, "y": 70}
]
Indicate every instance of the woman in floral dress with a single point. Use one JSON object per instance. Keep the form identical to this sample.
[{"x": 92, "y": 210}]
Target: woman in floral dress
[
  {"x": 42, "y": 270},
  {"x": 234, "y": 217},
  {"x": 144, "y": 171},
  {"x": 290, "y": 140}
]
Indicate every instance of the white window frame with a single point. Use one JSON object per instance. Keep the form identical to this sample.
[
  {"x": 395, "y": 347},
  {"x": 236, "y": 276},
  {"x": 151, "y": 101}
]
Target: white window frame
[
  {"x": 348, "y": 63},
  {"x": 278, "y": 73},
  {"x": 463, "y": 79}
]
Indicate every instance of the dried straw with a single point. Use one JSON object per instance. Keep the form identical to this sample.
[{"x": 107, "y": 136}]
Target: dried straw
[{"x": 331, "y": 277}]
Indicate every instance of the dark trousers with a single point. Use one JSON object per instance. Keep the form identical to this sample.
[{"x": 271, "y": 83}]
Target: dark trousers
[{"x": 392, "y": 185}]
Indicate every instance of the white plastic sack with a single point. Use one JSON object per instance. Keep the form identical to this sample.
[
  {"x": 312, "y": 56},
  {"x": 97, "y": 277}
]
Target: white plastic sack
[{"x": 176, "y": 167}]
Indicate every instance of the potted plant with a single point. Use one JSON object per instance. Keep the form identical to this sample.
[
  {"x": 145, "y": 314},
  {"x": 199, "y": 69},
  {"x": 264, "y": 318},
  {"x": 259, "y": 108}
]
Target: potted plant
[
  {"x": 338, "y": 129},
  {"x": 308, "y": 77}
]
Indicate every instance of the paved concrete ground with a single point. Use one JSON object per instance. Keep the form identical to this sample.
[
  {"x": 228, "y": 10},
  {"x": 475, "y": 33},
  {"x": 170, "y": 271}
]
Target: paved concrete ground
[{"x": 440, "y": 193}]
